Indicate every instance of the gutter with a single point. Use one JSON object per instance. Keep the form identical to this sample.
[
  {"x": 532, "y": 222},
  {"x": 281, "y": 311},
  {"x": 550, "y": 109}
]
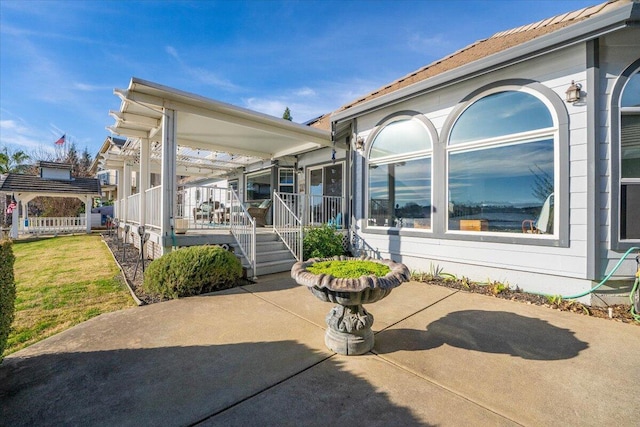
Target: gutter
[{"x": 622, "y": 17}]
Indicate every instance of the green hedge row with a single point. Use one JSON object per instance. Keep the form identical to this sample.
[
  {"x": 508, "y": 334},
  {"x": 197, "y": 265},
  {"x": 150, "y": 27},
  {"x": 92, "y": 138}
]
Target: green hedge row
[
  {"x": 192, "y": 271},
  {"x": 7, "y": 292}
]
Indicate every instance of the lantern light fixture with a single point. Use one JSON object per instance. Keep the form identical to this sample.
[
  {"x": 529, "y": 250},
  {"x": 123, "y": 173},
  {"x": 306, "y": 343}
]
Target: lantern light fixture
[{"x": 573, "y": 92}]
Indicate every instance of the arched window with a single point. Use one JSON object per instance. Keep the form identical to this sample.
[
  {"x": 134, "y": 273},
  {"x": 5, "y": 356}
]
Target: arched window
[
  {"x": 399, "y": 182},
  {"x": 630, "y": 159},
  {"x": 501, "y": 163}
]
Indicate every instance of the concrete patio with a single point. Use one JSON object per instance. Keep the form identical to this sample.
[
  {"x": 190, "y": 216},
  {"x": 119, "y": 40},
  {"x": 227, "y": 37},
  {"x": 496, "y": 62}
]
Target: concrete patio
[{"x": 255, "y": 356}]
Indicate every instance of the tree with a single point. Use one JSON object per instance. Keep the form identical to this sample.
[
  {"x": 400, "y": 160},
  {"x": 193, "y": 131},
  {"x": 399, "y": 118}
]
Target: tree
[
  {"x": 13, "y": 161},
  {"x": 287, "y": 114}
]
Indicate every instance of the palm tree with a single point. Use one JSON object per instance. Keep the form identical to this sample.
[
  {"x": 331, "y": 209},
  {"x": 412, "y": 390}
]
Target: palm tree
[{"x": 13, "y": 161}]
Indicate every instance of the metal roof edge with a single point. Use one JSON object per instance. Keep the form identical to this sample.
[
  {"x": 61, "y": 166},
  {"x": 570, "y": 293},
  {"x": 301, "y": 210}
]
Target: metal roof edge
[
  {"x": 578, "y": 32},
  {"x": 223, "y": 107}
]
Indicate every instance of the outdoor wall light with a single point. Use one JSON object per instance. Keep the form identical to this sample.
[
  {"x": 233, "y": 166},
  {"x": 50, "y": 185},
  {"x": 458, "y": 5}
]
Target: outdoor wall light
[
  {"x": 360, "y": 143},
  {"x": 573, "y": 93}
]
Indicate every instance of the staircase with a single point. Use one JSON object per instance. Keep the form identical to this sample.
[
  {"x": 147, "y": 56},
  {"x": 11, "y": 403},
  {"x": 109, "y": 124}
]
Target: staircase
[{"x": 272, "y": 256}]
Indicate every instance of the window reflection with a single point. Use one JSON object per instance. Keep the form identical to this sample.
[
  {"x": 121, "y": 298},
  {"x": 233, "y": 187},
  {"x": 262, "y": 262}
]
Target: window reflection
[
  {"x": 497, "y": 189},
  {"x": 499, "y": 114},
  {"x": 400, "y": 176}
]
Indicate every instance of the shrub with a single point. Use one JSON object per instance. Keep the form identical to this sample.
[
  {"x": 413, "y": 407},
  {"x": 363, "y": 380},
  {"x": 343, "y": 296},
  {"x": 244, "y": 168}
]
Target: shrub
[
  {"x": 322, "y": 242},
  {"x": 191, "y": 271},
  {"x": 7, "y": 292}
]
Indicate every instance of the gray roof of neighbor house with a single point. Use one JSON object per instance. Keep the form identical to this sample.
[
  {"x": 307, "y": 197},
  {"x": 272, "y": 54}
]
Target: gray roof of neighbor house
[
  {"x": 14, "y": 182},
  {"x": 497, "y": 49}
]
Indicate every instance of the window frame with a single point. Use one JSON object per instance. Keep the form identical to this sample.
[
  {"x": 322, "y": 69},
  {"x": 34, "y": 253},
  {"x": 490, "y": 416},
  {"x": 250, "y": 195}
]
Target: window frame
[
  {"x": 414, "y": 155},
  {"x": 616, "y": 242}
]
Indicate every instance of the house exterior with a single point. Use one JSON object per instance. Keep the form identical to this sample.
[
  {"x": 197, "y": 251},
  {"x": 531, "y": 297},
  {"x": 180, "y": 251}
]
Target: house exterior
[
  {"x": 516, "y": 159},
  {"x": 456, "y": 164}
]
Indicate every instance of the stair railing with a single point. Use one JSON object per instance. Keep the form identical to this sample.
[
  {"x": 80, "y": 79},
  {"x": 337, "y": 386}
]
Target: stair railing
[
  {"x": 286, "y": 223},
  {"x": 243, "y": 229}
]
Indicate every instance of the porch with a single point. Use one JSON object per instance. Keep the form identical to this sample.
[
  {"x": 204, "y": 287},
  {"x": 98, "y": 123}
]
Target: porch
[{"x": 215, "y": 215}]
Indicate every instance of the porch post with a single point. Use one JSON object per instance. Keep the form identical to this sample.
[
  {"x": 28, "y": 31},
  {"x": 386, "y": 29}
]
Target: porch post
[
  {"x": 15, "y": 219},
  {"x": 119, "y": 192},
  {"x": 168, "y": 182},
  {"x": 143, "y": 179},
  {"x": 126, "y": 182},
  {"x": 87, "y": 211}
]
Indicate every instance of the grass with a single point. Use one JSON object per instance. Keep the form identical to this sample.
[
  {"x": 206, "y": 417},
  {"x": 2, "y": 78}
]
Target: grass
[{"x": 61, "y": 282}]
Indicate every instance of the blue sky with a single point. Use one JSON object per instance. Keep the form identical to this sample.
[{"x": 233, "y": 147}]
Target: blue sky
[{"x": 61, "y": 60}]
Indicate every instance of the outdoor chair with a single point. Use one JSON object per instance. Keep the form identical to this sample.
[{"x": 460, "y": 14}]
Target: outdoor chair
[
  {"x": 260, "y": 213},
  {"x": 544, "y": 223},
  {"x": 206, "y": 211}
]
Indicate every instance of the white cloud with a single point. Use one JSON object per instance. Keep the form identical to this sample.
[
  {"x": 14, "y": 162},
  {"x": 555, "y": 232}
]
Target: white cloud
[
  {"x": 202, "y": 75},
  {"x": 305, "y": 91},
  {"x": 85, "y": 87}
]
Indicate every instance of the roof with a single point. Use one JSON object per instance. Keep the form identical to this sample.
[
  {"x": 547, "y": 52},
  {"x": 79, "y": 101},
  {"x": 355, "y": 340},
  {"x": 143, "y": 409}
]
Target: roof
[
  {"x": 15, "y": 182},
  {"x": 229, "y": 136},
  {"x": 54, "y": 165},
  {"x": 489, "y": 49}
]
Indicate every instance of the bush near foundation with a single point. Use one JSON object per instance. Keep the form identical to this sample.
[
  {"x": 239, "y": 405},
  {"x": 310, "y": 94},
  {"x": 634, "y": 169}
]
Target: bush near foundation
[
  {"x": 192, "y": 271},
  {"x": 322, "y": 242},
  {"x": 7, "y": 292}
]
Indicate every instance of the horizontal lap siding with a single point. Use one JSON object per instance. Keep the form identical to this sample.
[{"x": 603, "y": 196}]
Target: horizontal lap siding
[{"x": 526, "y": 263}]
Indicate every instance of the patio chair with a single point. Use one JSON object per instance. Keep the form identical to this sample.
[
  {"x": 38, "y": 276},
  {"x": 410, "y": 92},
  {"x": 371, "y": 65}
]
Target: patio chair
[
  {"x": 260, "y": 213},
  {"x": 206, "y": 211},
  {"x": 544, "y": 223}
]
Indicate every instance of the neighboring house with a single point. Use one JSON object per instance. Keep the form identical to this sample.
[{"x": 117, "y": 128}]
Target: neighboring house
[{"x": 514, "y": 159}]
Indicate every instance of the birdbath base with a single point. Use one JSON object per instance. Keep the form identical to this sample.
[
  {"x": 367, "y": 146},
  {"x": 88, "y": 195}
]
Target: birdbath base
[{"x": 349, "y": 330}]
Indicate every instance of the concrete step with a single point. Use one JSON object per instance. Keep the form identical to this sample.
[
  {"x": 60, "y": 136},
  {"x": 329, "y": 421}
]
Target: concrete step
[
  {"x": 274, "y": 267},
  {"x": 273, "y": 255}
]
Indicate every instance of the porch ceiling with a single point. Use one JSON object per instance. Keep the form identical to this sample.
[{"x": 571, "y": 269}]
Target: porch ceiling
[{"x": 211, "y": 135}]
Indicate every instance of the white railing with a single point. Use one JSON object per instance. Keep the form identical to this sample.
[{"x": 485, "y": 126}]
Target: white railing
[
  {"x": 286, "y": 223},
  {"x": 152, "y": 208},
  {"x": 320, "y": 210},
  {"x": 243, "y": 229},
  {"x": 133, "y": 208},
  {"x": 55, "y": 225},
  {"x": 121, "y": 206},
  {"x": 116, "y": 209},
  {"x": 204, "y": 207}
]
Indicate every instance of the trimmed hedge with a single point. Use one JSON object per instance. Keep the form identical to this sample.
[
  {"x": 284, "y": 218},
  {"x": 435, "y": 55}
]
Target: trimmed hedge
[
  {"x": 322, "y": 242},
  {"x": 192, "y": 271},
  {"x": 7, "y": 292}
]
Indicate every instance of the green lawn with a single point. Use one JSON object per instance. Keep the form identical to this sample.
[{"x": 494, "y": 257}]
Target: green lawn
[{"x": 61, "y": 282}]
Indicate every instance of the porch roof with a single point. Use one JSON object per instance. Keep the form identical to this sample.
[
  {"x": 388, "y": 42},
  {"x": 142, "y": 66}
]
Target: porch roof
[{"x": 213, "y": 137}]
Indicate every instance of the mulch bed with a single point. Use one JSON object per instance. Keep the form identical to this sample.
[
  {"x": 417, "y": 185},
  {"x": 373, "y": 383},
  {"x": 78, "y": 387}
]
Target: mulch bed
[
  {"x": 619, "y": 312},
  {"x": 131, "y": 266}
]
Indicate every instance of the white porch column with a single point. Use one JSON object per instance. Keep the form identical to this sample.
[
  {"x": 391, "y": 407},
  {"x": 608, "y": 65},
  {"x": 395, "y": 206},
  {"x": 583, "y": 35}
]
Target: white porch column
[
  {"x": 88, "y": 204},
  {"x": 126, "y": 190},
  {"x": 168, "y": 182},
  {"x": 15, "y": 219},
  {"x": 143, "y": 179}
]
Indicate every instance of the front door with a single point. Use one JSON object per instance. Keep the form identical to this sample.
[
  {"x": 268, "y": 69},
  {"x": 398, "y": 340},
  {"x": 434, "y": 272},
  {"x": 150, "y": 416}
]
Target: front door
[{"x": 326, "y": 190}]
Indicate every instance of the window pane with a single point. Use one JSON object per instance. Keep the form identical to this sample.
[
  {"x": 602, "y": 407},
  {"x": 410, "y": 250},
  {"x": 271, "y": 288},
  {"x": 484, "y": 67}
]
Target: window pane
[
  {"x": 630, "y": 141},
  {"x": 401, "y": 137},
  {"x": 499, "y": 114},
  {"x": 496, "y": 189},
  {"x": 400, "y": 194},
  {"x": 259, "y": 186},
  {"x": 631, "y": 95}
]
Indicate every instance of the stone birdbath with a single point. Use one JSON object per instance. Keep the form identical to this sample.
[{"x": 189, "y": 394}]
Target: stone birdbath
[{"x": 349, "y": 324}]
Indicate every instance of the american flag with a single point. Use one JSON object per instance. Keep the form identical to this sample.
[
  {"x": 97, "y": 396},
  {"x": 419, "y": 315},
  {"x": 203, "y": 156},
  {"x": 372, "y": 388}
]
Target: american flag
[
  {"x": 12, "y": 206},
  {"x": 61, "y": 140}
]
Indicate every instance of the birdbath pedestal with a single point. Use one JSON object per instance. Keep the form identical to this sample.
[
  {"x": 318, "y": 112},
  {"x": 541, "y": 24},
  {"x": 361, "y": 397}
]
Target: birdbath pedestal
[{"x": 348, "y": 323}]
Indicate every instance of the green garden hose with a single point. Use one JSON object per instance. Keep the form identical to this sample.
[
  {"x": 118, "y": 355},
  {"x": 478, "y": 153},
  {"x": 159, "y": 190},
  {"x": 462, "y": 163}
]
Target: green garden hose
[{"x": 636, "y": 316}]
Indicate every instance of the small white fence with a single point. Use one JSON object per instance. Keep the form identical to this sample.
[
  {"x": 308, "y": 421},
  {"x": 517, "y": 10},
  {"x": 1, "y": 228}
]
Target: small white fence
[
  {"x": 55, "y": 225},
  {"x": 152, "y": 207}
]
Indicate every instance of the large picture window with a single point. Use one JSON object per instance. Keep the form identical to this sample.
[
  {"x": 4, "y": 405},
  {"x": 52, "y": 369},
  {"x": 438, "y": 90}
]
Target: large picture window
[
  {"x": 630, "y": 160},
  {"x": 399, "y": 182},
  {"x": 501, "y": 166},
  {"x": 259, "y": 186}
]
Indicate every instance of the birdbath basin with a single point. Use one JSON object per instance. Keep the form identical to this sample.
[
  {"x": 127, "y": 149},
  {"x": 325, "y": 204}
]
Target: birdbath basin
[{"x": 349, "y": 324}]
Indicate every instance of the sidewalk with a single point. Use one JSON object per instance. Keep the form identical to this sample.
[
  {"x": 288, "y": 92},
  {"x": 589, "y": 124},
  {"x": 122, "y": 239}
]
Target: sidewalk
[{"x": 256, "y": 356}]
